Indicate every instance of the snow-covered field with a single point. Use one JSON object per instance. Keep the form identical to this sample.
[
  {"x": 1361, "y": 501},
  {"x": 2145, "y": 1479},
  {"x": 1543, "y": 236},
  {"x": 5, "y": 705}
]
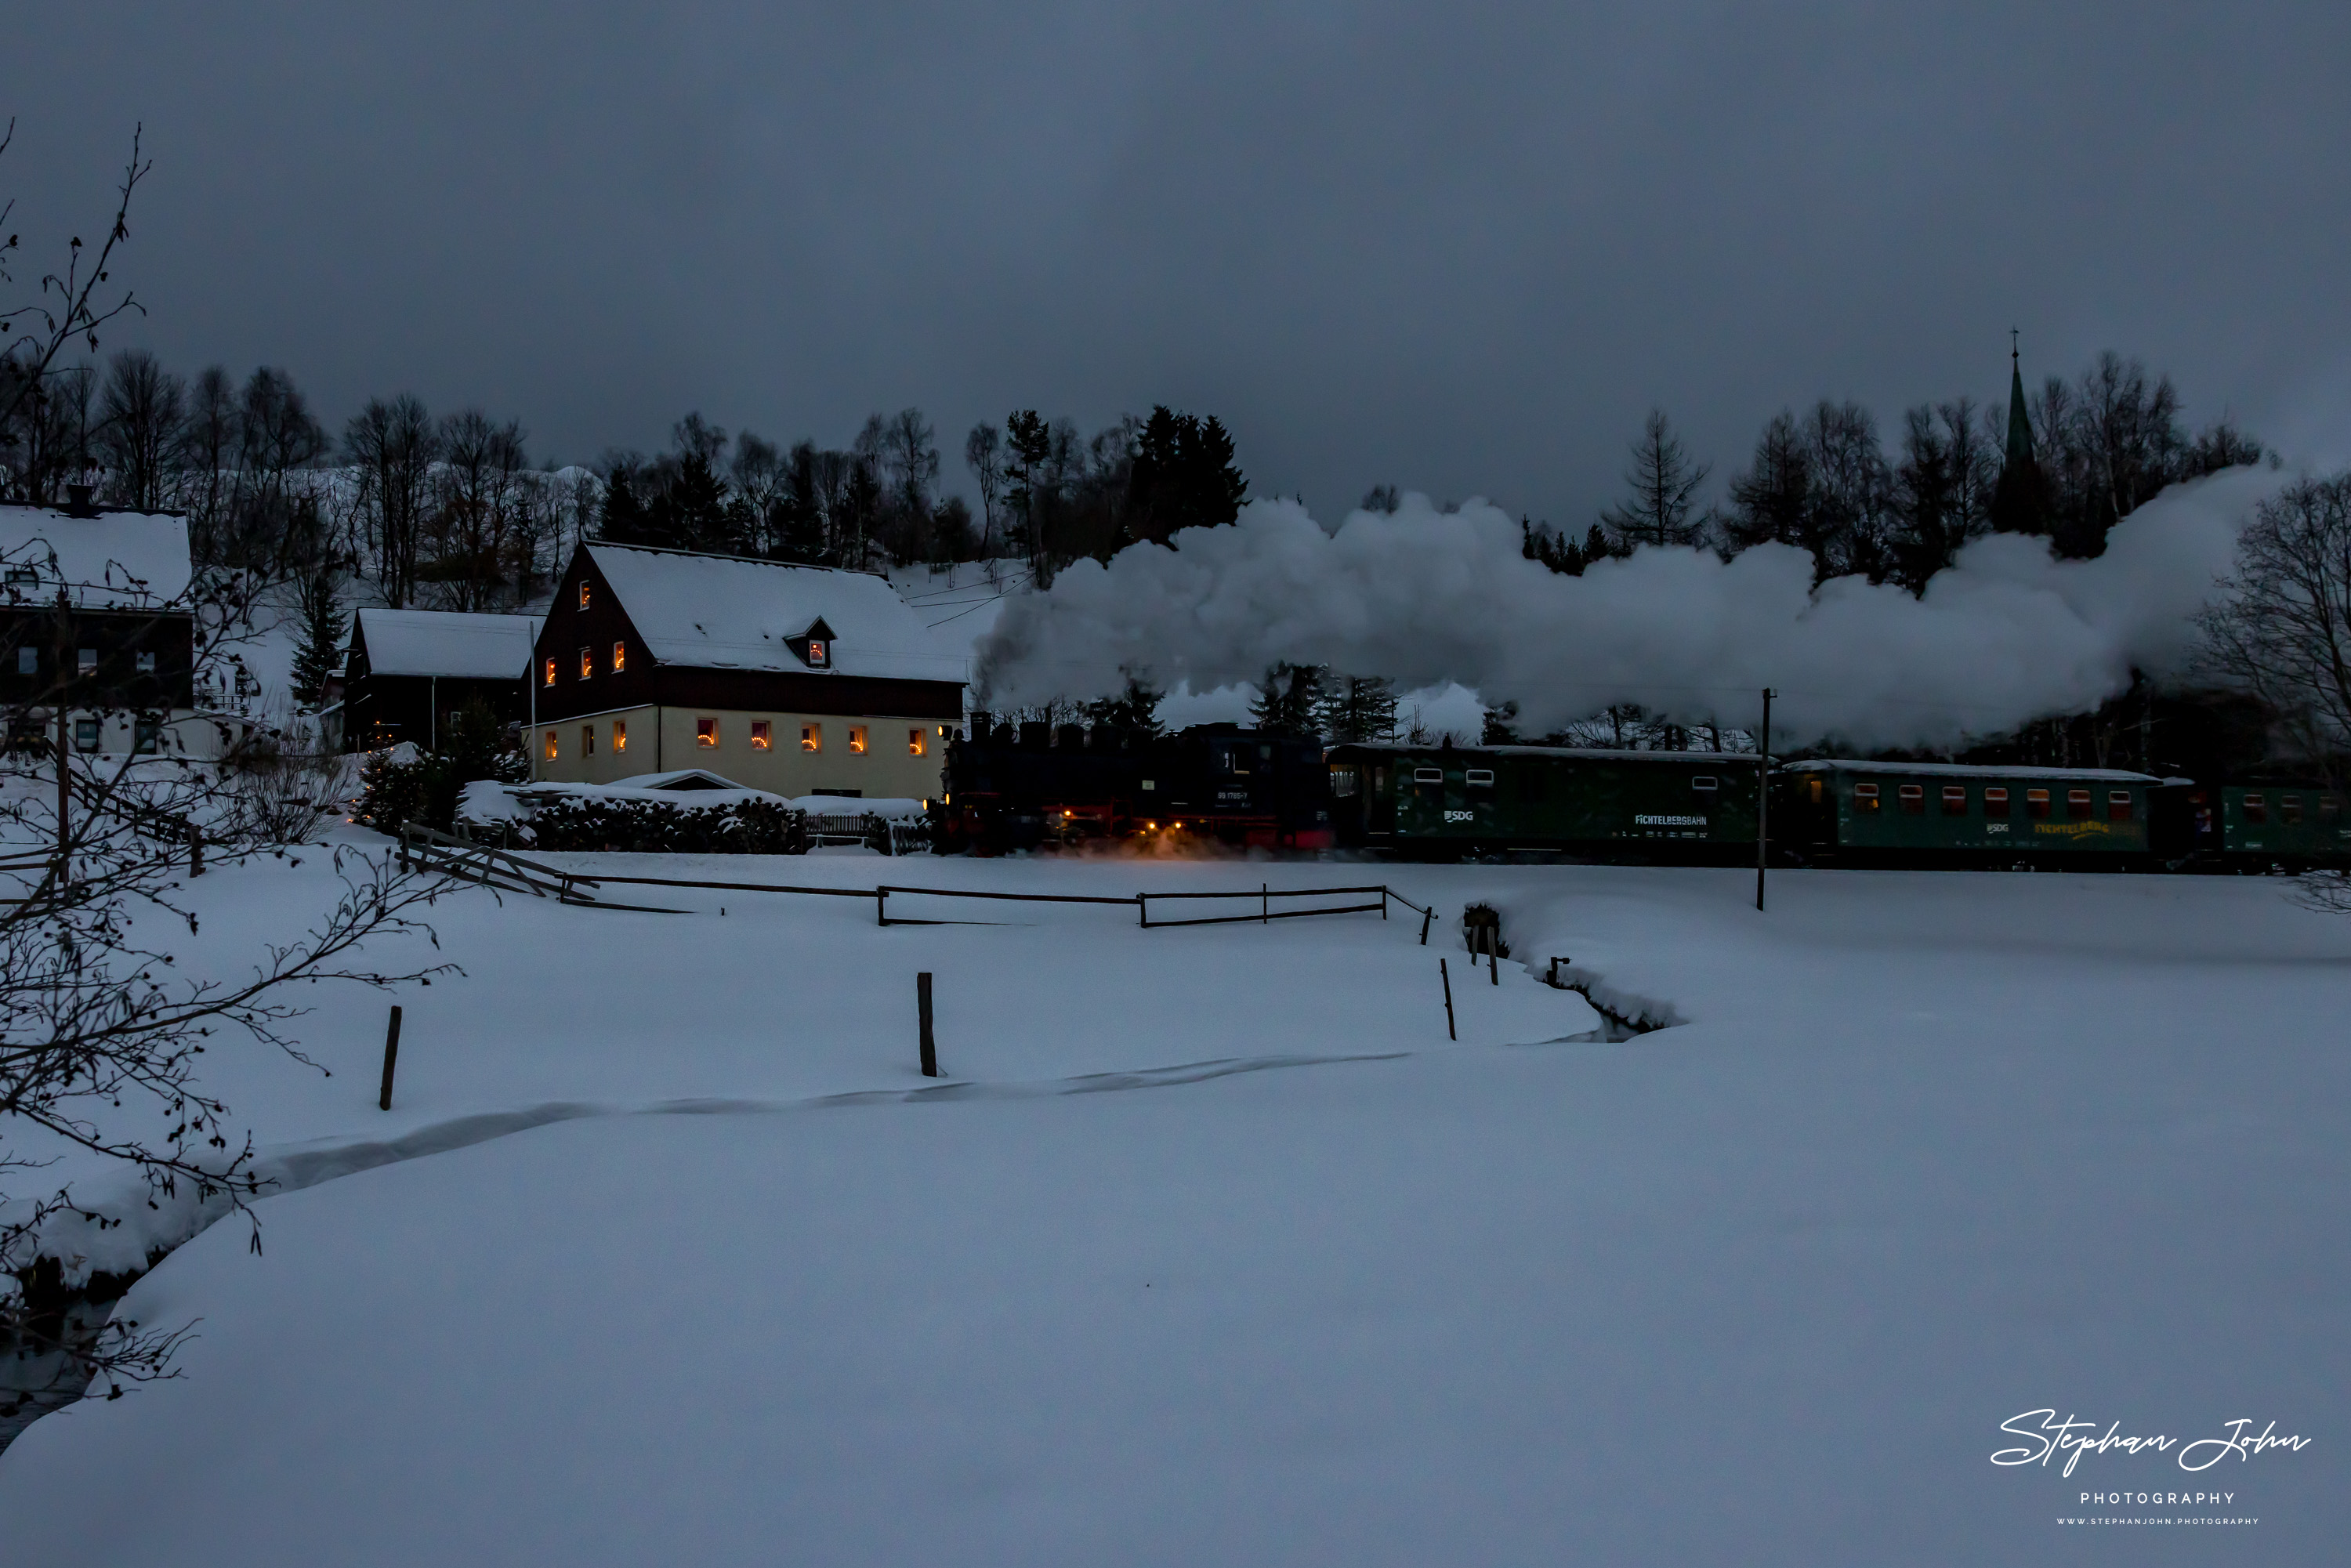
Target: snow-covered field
[{"x": 1213, "y": 1248}]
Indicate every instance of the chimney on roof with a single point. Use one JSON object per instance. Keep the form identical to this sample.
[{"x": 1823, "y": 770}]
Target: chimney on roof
[{"x": 77, "y": 501}]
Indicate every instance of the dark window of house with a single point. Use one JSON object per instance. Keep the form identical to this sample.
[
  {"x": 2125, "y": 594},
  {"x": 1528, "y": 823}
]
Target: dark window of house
[
  {"x": 2077, "y": 802},
  {"x": 1914, "y": 799},
  {"x": 2257, "y": 807},
  {"x": 146, "y": 663},
  {"x": 2036, "y": 802},
  {"x": 88, "y": 662},
  {"x": 1995, "y": 801},
  {"x": 28, "y": 660},
  {"x": 1864, "y": 797},
  {"x": 86, "y": 734},
  {"x": 2119, "y": 805},
  {"x": 147, "y": 736},
  {"x": 1955, "y": 799}
]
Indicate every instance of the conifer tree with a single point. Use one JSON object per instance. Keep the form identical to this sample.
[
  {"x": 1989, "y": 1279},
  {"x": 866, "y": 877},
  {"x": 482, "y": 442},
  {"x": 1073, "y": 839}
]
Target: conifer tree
[
  {"x": 1357, "y": 708},
  {"x": 1288, "y": 700},
  {"x": 321, "y": 655}
]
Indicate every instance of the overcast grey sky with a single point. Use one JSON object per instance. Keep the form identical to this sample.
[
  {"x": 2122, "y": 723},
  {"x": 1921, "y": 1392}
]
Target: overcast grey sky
[{"x": 1457, "y": 248}]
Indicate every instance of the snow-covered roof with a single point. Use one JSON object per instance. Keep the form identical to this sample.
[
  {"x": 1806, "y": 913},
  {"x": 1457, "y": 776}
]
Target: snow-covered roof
[
  {"x": 724, "y": 612},
  {"x": 1580, "y": 753},
  {"x": 128, "y": 560},
  {"x": 447, "y": 642},
  {"x": 1969, "y": 771}
]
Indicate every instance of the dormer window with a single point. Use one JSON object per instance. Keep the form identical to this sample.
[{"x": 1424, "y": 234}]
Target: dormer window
[{"x": 813, "y": 647}]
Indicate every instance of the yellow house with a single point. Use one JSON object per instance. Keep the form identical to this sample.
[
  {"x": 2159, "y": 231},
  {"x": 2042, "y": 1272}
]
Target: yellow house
[{"x": 798, "y": 679}]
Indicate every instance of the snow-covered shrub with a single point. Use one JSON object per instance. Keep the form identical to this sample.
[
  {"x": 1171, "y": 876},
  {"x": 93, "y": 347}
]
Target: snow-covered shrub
[
  {"x": 404, "y": 785},
  {"x": 745, "y": 824}
]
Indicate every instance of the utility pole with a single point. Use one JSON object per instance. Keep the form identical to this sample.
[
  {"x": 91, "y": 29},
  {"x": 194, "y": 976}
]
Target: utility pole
[{"x": 1762, "y": 796}]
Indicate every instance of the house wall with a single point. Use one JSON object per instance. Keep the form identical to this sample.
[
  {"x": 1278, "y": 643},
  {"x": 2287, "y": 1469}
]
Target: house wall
[{"x": 663, "y": 739}]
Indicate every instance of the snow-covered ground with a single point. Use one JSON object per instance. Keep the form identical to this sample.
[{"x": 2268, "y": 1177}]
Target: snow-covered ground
[{"x": 1214, "y": 1249}]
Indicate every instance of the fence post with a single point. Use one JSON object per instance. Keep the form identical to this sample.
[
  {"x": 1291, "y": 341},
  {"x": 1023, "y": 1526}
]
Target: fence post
[
  {"x": 391, "y": 1056},
  {"x": 880, "y": 906},
  {"x": 1265, "y": 903},
  {"x": 923, "y": 1004},
  {"x": 1494, "y": 954},
  {"x": 195, "y": 847},
  {"x": 1143, "y": 910},
  {"x": 1426, "y": 916},
  {"x": 1445, "y": 976}
]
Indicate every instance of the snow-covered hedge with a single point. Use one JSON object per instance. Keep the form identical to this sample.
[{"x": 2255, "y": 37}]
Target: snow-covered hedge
[{"x": 615, "y": 817}]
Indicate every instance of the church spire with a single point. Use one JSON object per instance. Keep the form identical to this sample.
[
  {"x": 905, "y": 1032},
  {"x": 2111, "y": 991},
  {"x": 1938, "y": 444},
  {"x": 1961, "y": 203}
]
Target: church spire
[{"x": 2019, "y": 454}]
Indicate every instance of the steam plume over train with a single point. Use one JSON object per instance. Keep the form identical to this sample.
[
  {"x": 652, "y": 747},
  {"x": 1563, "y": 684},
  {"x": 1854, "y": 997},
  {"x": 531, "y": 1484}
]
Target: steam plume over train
[{"x": 2005, "y": 635}]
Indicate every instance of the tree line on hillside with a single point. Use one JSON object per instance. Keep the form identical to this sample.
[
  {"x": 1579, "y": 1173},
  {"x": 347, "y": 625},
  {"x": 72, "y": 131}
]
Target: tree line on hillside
[{"x": 2066, "y": 464}]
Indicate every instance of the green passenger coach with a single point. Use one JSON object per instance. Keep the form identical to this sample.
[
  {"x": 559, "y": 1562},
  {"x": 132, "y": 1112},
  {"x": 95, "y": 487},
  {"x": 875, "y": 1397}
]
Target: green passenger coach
[
  {"x": 1850, "y": 812},
  {"x": 2293, "y": 823},
  {"x": 1440, "y": 802}
]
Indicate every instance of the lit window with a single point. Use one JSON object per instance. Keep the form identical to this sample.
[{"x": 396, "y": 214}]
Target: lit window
[
  {"x": 2290, "y": 807},
  {"x": 146, "y": 663},
  {"x": 915, "y": 743},
  {"x": 583, "y": 593},
  {"x": 587, "y": 662},
  {"x": 587, "y": 740},
  {"x": 2257, "y": 808},
  {"x": 1816, "y": 791},
  {"x": 1955, "y": 799},
  {"x": 1995, "y": 801},
  {"x": 619, "y": 735},
  {"x": 2036, "y": 802},
  {"x": 706, "y": 732},
  {"x": 87, "y": 662},
  {"x": 28, "y": 660},
  {"x": 763, "y": 735},
  {"x": 2077, "y": 802},
  {"x": 2119, "y": 805},
  {"x": 86, "y": 734},
  {"x": 620, "y": 657},
  {"x": 817, "y": 652},
  {"x": 550, "y": 745},
  {"x": 857, "y": 740},
  {"x": 1344, "y": 783},
  {"x": 149, "y": 737},
  {"x": 811, "y": 738},
  {"x": 550, "y": 672},
  {"x": 1914, "y": 798},
  {"x": 1864, "y": 797}
]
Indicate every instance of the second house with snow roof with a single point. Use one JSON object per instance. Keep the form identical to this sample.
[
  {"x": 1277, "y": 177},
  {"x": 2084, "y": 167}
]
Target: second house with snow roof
[{"x": 798, "y": 679}]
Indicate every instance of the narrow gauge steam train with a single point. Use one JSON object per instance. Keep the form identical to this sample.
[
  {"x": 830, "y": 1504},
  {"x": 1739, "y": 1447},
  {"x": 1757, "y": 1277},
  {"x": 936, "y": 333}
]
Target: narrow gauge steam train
[{"x": 1008, "y": 789}]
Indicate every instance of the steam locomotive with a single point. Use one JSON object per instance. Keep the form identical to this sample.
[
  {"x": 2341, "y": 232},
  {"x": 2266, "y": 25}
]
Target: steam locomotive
[{"x": 1010, "y": 788}]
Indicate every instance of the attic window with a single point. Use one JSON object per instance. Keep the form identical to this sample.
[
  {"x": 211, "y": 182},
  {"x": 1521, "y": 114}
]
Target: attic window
[
  {"x": 818, "y": 653},
  {"x": 587, "y": 662},
  {"x": 620, "y": 657},
  {"x": 583, "y": 593},
  {"x": 550, "y": 672}
]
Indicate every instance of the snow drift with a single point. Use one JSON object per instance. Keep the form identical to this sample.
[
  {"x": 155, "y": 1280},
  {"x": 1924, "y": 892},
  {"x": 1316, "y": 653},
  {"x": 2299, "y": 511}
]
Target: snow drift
[{"x": 2006, "y": 636}]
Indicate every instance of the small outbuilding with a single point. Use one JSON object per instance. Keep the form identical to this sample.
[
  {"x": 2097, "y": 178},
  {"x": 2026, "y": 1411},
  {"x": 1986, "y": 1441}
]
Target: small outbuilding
[
  {"x": 799, "y": 680},
  {"x": 408, "y": 670}
]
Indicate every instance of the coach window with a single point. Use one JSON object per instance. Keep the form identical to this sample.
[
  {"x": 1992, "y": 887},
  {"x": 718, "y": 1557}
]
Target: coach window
[
  {"x": 705, "y": 733},
  {"x": 1345, "y": 782},
  {"x": 1428, "y": 775},
  {"x": 1864, "y": 797},
  {"x": 763, "y": 735},
  {"x": 857, "y": 740},
  {"x": 2119, "y": 805},
  {"x": 587, "y": 740},
  {"x": 1380, "y": 783},
  {"x": 811, "y": 738},
  {"x": 1914, "y": 799},
  {"x": 1706, "y": 784},
  {"x": 1995, "y": 801},
  {"x": 1479, "y": 778},
  {"x": 2036, "y": 802},
  {"x": 2329, "y": 808},
  {"x": 1814, "y": 790},
  {"x": 2290, "y": 807},
  {"x": 1955, "y": 799},
  {"x": 620, "y": 657},
  {"x": 619, "y": 736},
  {"x": 2256, "y": 808},
  {"x": 587, "y": 662},
  {"x": 2077, "y": 802}
]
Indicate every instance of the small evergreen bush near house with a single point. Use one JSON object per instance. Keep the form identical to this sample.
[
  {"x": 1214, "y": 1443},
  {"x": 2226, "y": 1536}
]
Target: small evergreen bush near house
[
  {"x": 751, "y": 827},
  {"x": 394, "y": 792}
]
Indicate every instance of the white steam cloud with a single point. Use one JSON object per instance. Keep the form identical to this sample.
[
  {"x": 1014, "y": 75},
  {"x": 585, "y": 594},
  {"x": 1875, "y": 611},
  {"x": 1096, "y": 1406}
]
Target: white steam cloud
[{"x": 2006, "y": 636}]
